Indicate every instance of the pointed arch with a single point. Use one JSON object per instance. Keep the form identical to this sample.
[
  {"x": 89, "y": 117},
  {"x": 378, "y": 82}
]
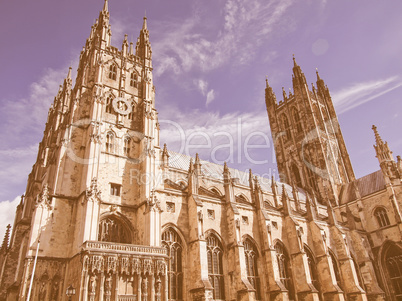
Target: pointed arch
[
  {"x": 381, "y": 216},
  {"x": 335, "y": 265},
  {"x": 296, "y": 174},
  {"x": 127, "y": 146},
  {"x": 286, "y": 126},
  {"x": 215, "y": 190},
  {"x": 173, "y": 243},
  {"x": 215, "y": 265},
  {"x": 112, "y": 71},
  {"x": 390, "y": 259},
  {"x": 110, "y": 142},
  {"x": 312, "y": 265},
  {"x": 114, "y": 227},
  {"x": 251, "y": 257},
  {"x": 241, "y": 198},
  {"x": 297, "y": 120},
  {"x": 285, "y": 272}
]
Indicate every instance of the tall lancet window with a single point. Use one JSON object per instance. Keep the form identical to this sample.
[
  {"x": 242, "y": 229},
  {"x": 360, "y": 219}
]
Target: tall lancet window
[
  {"x": 109, "y": 142},
  {"x": 133, "y": 79},
  {"x": 112, "y": 230},
  {"x": 312, "y": 268},
  {"x": 215, "y": 266},
  {"x": 126, "y": 146},
  {"x": 284, "y": 268},
  {"x": 250, "y": 251},
  {"x": 286, "y": 127},
  {"x": 172, "y": 242},
  {"x": 297, "y": 120},
  {"x": 112, "y": 71},
  {"x": 336, "y": 268},
  {"x": 109, "y": 104}
]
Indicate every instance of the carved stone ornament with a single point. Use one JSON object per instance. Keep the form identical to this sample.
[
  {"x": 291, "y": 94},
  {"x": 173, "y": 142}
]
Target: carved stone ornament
[
  {"x": 148, "y": 267},
  {"x": 43, "y": 199},
  {"x": 96, "y": 263},
  {"x": 136, "y": 266},
  {"x": 125, "y": 265},
  {"x": 111, "y": 264},
  {"x": 160, "y": 267},
  {"x": 153, "y": 202},
  {"x": 92, "y": 193}
]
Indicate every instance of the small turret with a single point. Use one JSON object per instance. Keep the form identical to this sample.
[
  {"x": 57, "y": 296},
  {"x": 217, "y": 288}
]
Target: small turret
[
  {"x": 124, "y": 46},
  {"x": 197, "y": 164},
  {"x": 298, "y": 77},
  {"x": 270, "y": 98},
  {"x": 165, "y": 156},
  {"x": 143, "y": 48},
  {"x": 385, "y": 158},
  {"x": 285, "y": 201},
  {"x": 4, "y": 246}
]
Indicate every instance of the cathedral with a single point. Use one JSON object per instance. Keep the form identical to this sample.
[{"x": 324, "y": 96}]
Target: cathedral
[{"x": 110, "y": 214}]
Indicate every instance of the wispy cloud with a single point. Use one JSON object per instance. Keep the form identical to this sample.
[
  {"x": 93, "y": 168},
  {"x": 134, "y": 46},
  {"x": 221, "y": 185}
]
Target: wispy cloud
[
  {"x": 217, "y": 137},
  {"x": 360, "y": 93},
  {"x": 183, "y": 48},
  {"x": 202, "y": 86},
  {"x": 7, "y": 213},
  {"x": 23, "y": 122}
]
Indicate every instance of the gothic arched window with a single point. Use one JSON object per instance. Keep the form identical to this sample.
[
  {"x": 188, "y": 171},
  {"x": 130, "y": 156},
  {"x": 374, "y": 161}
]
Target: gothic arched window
[
  {"x": 393, "y": 262},
  {"x": 215, "y": 266},
  {"x": 296, "y": 175},
  {"x": 359, "y": 276},
  {"x": 172, "y": 242},
  {"x": 250, "y": 251},
  {"x": 133, "y": 79},
  {"x": 336, "y": 268},
  {"x": 109, "y": 142},
  {"x": 297, "y": 120},
  {"x": 112, "y": 71},
  {"x": 312, "y": 268},
  {"x": 382, "y": 217},
  {"x": 284, "y": 268},
  {"x": 113, "y": 230},
  {"x": 126, "y": 146},
  {"x": 109, "y": 104},
  {"x": 286, "y": 127}
]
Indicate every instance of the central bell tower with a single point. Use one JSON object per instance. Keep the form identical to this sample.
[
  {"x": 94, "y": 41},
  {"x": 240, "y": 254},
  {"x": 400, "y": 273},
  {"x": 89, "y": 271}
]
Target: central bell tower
[{"x": 309, "y": 146}]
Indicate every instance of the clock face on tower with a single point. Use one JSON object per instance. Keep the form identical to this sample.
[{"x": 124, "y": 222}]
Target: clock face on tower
[{"x": 122, "y": 106}]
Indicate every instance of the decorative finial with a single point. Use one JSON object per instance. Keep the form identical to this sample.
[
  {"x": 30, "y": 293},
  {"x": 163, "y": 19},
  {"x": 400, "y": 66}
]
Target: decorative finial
[{"x": 106, "y": 6}]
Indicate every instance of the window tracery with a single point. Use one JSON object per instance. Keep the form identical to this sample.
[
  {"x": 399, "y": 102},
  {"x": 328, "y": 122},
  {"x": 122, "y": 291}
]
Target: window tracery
[
  {"x": 251, "y": 254},
  {"x": 172, "y": 242},
  {"x": 382, "y": 217},
  {"x": 112, "y": 230},
  {"x": 215, "y": 266}
]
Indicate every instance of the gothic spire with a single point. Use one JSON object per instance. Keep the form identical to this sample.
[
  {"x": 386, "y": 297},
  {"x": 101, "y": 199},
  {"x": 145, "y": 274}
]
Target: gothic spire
[
  {"x": 298, "y": 75},
  {"x": 191, "y": 167},
  {"x": 383, "y": 153},
  {"x": 144, "y": 24},
  {"x": 285, "y": 201},
  {"x": 106, "y": 6},
  {"x": 318, "y": 75},
  {"x": 4, "y": 245},
  {"x": 143, "y": 48}
]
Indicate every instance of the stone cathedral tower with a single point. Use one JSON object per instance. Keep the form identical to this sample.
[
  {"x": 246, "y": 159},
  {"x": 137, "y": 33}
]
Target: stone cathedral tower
[
  {"x": 101, "y": 139},
  {"x": 110, "y": 213},
  {"x": 309, "y": 146}
]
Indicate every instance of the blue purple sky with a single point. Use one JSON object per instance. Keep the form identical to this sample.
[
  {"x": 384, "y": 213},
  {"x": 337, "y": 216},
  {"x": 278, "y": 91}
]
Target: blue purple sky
[{"x": 210, "y": 59}]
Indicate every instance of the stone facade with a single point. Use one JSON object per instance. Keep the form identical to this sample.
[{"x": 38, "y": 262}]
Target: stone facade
[{"x": 114, "y": 215}]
